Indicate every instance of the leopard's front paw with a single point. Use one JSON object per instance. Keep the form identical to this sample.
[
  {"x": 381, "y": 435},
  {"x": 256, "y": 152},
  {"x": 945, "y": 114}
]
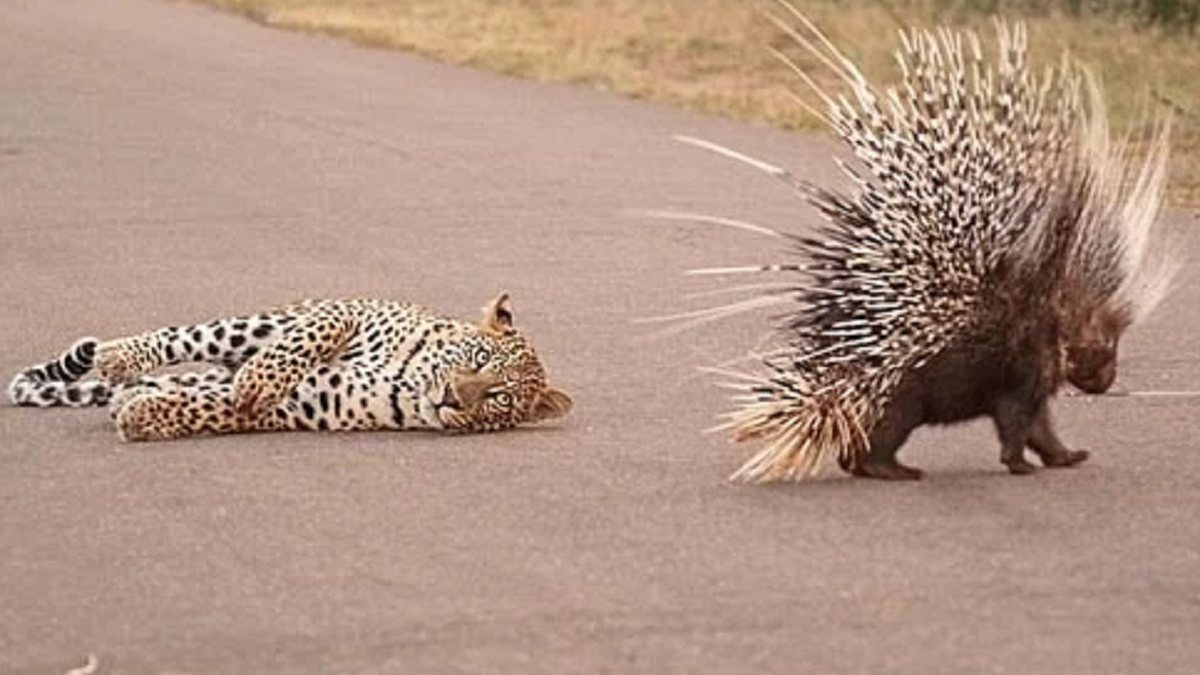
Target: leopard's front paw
[
  {"x": 255, "y": 394},
  {"x": 116, "y": 363},
  {"x": 120, "y": 396},
  {"x": 145, "y": 417}
]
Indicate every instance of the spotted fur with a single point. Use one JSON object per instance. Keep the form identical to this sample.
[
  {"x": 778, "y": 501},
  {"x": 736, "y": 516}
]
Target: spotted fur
[
  {"x": 316, "y": 365},
  {"x": 55, "y": 383}
]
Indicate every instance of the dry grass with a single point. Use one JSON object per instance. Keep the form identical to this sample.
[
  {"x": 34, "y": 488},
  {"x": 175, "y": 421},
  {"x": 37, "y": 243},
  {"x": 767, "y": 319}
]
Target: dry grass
[{"x": 709, "y": 54}]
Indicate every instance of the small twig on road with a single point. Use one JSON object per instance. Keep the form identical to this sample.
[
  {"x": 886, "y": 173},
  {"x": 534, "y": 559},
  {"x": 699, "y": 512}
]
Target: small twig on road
[{"x": 88, "y": 668}]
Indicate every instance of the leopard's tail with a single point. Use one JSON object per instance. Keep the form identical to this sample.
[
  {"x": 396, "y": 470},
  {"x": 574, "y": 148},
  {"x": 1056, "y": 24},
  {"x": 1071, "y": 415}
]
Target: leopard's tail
[{"x": 57, "y": 382}]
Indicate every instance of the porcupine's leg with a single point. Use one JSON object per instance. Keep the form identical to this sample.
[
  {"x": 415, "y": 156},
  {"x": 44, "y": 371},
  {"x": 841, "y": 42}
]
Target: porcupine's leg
[
  {"x": 1044, "y": 442},
  {"x": 1015, "y": 417},
  {"x": 885, "y": 440}
]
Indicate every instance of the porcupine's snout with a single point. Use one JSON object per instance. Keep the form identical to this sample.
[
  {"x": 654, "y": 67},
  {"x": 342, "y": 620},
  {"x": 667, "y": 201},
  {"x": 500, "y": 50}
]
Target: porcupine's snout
[
  {"x": 1091, "y": 355},
  {"x": 1092, "y": 369}
]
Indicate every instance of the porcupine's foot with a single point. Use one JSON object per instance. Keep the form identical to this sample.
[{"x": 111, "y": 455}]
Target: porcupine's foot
[
  {"x": 1058, "y": 460},
  {"x": 885, "y": 470},
  {"x": 879, "y": 460},
  {"x": 1019, "y": 466},
  {"x": 1046, "y": 444},
  {"x": 1014, "y": 458}
]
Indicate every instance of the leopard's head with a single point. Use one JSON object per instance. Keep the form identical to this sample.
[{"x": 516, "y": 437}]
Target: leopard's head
[{"x": 500, "y": 383}]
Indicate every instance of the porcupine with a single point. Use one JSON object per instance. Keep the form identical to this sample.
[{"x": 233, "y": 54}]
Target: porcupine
[{"x": 995, "y": 246}]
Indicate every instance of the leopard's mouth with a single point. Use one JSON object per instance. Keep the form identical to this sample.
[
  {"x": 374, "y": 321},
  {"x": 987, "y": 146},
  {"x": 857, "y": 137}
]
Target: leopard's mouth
[
  {"x": 458, "y": 404},
  {"x": 456, "y": 418},
  {"x": 448, "y": 398},
  {"x": 448, "y": 407}
]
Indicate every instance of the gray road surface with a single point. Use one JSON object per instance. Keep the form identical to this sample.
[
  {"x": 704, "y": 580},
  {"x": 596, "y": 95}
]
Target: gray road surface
[{"x": 161, "y": 163}]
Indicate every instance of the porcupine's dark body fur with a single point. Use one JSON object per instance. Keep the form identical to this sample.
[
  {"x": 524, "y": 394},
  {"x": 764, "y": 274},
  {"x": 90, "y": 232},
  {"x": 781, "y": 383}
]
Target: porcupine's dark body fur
[
  {"x": 1007, "y": 369},
  {"x": 991, "y": 252},
  {"x": 1009, "y": 378}
]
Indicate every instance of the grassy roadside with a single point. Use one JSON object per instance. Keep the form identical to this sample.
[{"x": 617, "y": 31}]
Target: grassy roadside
[{"x": 709, "y": 54}]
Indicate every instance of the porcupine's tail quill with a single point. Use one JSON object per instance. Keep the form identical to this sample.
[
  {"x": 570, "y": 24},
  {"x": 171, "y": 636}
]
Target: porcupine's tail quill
[
  {"x": 801, "y": 438},
  {"x": 1125, "y": 246}
]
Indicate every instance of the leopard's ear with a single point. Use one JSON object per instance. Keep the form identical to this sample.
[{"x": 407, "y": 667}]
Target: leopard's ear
[
  {"x": 550, "y": 404},
  {"x": 497, "y": 315}
]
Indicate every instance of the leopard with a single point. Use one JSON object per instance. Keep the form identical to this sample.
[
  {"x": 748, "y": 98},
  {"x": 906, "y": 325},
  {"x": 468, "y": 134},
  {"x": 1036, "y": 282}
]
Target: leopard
[{"x": 312, "y": 365}]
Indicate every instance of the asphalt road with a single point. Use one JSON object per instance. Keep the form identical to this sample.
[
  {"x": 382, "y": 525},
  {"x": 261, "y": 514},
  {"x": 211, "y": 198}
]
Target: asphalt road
[{"x": 161, "y": 163}]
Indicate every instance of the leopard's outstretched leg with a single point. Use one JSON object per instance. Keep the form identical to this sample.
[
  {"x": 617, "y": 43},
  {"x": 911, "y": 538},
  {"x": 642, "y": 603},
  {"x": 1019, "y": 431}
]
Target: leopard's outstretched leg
[
  {"x": 147, "y": 384},
  {"x": 227, "y": 342},
  {"x": 267, "y": 377},
  {"x": 329, "y": 399},
  {"x": 146, "y": 414}
]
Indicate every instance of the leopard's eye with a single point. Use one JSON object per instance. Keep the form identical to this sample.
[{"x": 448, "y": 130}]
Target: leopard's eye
[
  {"x": 482, "y": 356},
  {"x": 503, "y": 398}
]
